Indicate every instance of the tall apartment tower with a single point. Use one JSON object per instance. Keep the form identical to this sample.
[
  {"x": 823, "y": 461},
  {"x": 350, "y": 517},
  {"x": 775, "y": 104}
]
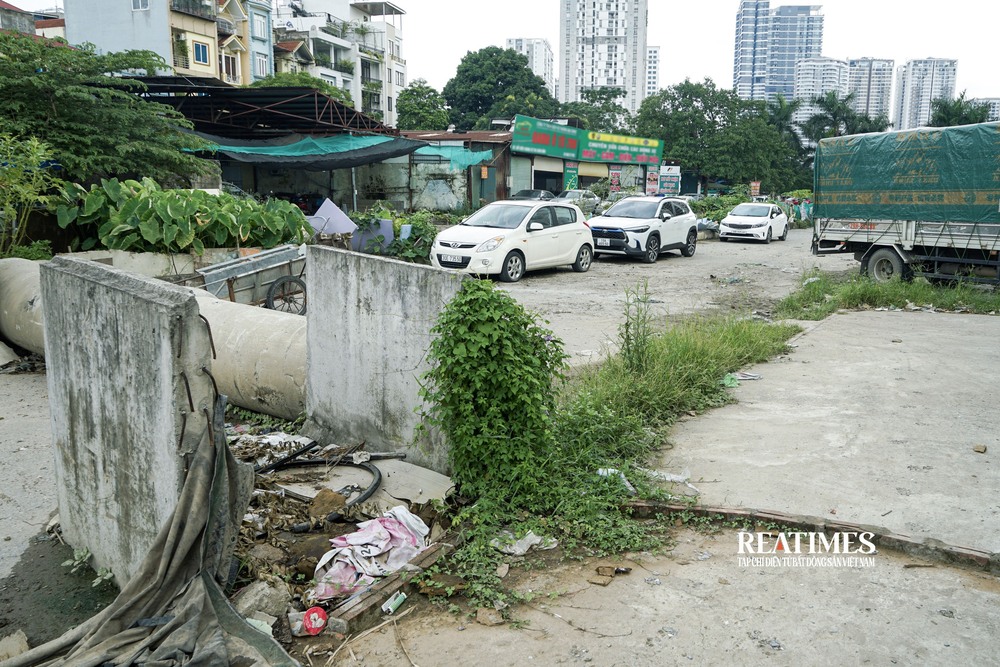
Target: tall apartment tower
[
  {"x": 870, "y": 81},
  {"x": 994, "y": 105},
  {"x": 652, "y": 70},
  {"x": 602, "y": 43},
  {"x": 815, "y": 77},
  {"x": 918, "y": 83},
  {"x": 540, "y": 58},
  {"x": 769, "y": 42}
]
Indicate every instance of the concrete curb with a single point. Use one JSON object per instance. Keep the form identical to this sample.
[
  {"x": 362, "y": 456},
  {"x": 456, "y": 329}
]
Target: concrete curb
[{"x": 926, "y": 548}]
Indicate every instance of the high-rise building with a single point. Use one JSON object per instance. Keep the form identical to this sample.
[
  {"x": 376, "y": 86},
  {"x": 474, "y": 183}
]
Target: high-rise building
[
  {"x": 602, "y": 43},
  {"x": 540, "y": 58},
  {"x": 652, "y": 70},
  {"x": 815, "y": 77},
  {"x": 993, "y": 103},
  {"x": 870, "y": 81},
  {"x": 918, "y": 83},
  {"x": 769, "y": 42}
]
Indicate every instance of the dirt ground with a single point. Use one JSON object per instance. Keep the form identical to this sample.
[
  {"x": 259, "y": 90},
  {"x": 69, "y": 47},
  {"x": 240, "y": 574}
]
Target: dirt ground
[{"x": 695, "y": 603}]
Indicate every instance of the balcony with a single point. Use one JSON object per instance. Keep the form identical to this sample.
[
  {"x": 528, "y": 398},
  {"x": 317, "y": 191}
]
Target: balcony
[
  {"x": 182, "y": 61},
  {"x": 202, "y": 8},
  {"x": 226, "y": 27}
]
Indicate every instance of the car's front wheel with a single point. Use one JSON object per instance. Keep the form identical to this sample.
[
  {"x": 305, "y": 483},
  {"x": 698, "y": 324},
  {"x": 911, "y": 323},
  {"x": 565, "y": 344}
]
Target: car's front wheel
[
  {"x": 691, "y": 245},
  {"x": 784, "y": 233},
  {"x": 652, "y": 249},
  {"x": 513, "y": 267},
  {"x": 767, "y": 237},
  {"x": 583, "y": 259}
]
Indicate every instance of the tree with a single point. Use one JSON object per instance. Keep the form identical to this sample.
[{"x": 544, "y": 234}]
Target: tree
[
  {"x": 95, "y": 125},
  {"x": 304, "y": 80},
  {"x": 486, "y": 78},
  {"x": 780, "y": 114},
  {"x": 601, "y": 110},
  {"x": 833, "y": 119},
  {"x": 718, "y": 135},
  {"x": 959, "y": 111},
  {"x": 421, "y": 107},
  {"x": 27, "y": 180}
]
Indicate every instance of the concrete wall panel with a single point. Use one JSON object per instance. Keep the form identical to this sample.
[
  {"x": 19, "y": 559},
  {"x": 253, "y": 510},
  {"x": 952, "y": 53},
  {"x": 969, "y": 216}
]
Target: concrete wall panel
[
  {"x": 118, "y": 349},
  {"x": 368, "y": 337}
]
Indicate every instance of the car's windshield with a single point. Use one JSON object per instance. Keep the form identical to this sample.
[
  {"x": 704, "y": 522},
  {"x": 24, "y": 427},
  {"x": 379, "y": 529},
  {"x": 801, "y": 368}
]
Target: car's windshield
[
  {"x": 751, "y": 210},
  {"x": 631, "y": 208},
  {"x": 528, "y": 193},
  {"x": 570, "y": 194},
  {"x": 498, "y": 215}
]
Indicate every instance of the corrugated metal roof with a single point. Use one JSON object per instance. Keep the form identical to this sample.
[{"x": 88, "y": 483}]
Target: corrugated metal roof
[
  {"x": 50, "y": 23},
  {"x": 483, "y": 137},
  {"x": 288, "y": 46}
]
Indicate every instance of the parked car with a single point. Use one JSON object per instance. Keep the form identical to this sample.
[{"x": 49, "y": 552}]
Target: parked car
[
  {"x": 541, "y": 195},
  {"x": 507, "y": 238},
  {"x": 644, "y": 227},
  {"x": 760, "y": 222},
  {"x": 585, "y": 199},
  {"x": 692, "y": 196}
]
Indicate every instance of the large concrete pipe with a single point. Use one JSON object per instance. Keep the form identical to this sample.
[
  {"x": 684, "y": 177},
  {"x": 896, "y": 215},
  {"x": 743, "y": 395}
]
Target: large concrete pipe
[
  {"x": 260, "y": 360},
  {"x": 21, "y": 305}
]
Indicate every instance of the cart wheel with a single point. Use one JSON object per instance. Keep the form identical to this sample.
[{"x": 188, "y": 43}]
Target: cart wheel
[{"x": 287, "y": 294}]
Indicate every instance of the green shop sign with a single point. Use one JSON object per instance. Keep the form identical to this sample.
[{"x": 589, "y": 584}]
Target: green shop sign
[
  {"x": 541, "y": 137},
  {"x": 599, "y": 147}
]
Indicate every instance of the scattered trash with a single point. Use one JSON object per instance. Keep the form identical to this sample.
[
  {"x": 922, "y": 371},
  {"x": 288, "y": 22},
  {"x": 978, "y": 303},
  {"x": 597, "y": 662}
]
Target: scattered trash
[
  {"x": 505, "y": 543},
  {"x": 947, "y": 613},
  {"x": 704, "y": 555},
  {"x": 361, "y": 457},
  {"x": 669, "y": 632},
  {"x": 887, "y": 513},
  {"x": 810, "y": 281},
  {"x": 394, "y": 602},
  {"x": 909, "y": 566},
  {"x": 377, "y": 548},
  {"x": 729, "y": 380},
  {"x": 614, "y": 472},
  {"x": 13, "y": 645},
  {"x": 748, "y": 376},
  {"x": 653, "y": 581},
  {"x": 979, "y": 449},
  {"x": 263, "y": 626},
  {"x": 897, "y": 340},
  {"x": 600, "y": 580},
  {"x": 673, "y": 479},
  {"x": 723, "y": 581},
  {"x": 487, "y": 616}
]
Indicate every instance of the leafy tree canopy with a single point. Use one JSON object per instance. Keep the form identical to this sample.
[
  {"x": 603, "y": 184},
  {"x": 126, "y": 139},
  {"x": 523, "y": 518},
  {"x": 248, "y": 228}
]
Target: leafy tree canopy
[
  {"x": 836, "y": 117},
  {"x": 484, "y": 81},
  {"x": 959, "y": 111},
  {"x": 94, "y": 125},
  {"x": 601, "y": 110},
  {"x": 421, "y": 107},
  {"x": 304, "y": 80}
]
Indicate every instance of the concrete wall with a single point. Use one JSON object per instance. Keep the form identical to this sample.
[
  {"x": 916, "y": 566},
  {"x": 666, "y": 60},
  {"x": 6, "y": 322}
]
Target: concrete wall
[
  {"x": 118, "y": 347},
  {"x": 367, "y": 343}
]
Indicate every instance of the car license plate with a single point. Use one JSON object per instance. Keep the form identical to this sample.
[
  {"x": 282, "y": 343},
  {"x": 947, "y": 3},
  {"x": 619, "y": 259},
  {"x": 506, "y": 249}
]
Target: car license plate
[
  {"x": 451, "y": 258},
  {"x": 603, "y": 241}
]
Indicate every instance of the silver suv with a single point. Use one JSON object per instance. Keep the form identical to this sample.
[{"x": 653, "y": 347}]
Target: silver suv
[{"x": 643, "y": 227}]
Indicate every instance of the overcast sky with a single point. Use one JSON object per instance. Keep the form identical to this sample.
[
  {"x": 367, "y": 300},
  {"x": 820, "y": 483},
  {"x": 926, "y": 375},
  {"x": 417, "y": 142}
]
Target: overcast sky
[{"x": 696, "y": 36}]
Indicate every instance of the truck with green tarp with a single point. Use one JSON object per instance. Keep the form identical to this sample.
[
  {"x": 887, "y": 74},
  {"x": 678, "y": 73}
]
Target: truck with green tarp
[{"x": 922, "y": 202}]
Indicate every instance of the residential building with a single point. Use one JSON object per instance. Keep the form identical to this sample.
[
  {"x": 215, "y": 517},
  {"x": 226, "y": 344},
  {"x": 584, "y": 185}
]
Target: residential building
[
  {"x": 993, "y": 103},
  {"x": 652, "y": 70},
  {"x": 815, "y": 77},
  {"x": 16, "y": 19},
  {"x": 356, "y": 46},
  {"x": 226, "y": 39},
  {"x": 602, "y": 43},
  {"x": 50, "y": 28},
  {"x": 918, "y": 83},
  {"x": 541, "y": 60},
  {"x": 769, "y": 42},
  {"x": 870, "y": 81}
]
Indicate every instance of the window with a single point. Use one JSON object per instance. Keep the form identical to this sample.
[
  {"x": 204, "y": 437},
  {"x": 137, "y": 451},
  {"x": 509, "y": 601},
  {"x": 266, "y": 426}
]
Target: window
[
  {"x": 140, "y": 5},
  {"x": 565, "y": 215},
  {"x": 389, "y": 103},
  {"x": 200, "y": 53},
  {"x": 543, "y": 216},
  {"x": 400, "y": 79},
  {"x": 260, "y": 26},
  {"x": 260, "y": 65}
]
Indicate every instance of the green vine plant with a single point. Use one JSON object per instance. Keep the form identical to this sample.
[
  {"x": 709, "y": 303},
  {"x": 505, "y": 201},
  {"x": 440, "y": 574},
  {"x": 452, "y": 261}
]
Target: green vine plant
[{"x": 140, "y": 216}]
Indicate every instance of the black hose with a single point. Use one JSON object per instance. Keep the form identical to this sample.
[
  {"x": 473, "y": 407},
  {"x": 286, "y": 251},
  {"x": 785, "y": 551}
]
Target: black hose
[
  {"x": 283, "y": 461},
  {"x": 368, "y": 493}
]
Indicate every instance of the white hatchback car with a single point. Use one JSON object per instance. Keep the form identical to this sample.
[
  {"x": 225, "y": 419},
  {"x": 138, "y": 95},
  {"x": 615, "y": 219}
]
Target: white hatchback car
[
  {"x": 507, "y": 238},
  {"x": 646, "y": 226},
  {"x": 759, "y": 222}
]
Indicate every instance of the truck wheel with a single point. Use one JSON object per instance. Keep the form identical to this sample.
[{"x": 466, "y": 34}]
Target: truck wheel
[{"x": 884, "y": 265}]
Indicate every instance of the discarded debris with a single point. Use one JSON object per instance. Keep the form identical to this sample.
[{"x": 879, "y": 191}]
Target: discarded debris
[
  {"x": 979, "y": 449},
  {"x": 729, "y": 380},
  {"x": 13, "y": 645},
  {"x": 810, "y": 281},
  {"x": 487, "y": 616},
  {"x": 653, "y": 581},
  {"x": 748, "y": 376},
  {"x": 947, "y": 613},
  {"x": 909, "y": 566},
  {"x": 326, "y": 502},
  {"x": 600, "y": 579},
  {"x": 614, "y": 472},
  {"x": 394, "y": 602},
  {"x": 505, "y": 543},
  {"x": 672, "y": 478},
  {"x": 261, "y": 596}
]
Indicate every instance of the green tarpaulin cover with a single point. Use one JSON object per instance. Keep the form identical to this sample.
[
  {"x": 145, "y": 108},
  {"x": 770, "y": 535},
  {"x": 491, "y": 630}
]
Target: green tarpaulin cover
[{"x": 933, "y": 174}]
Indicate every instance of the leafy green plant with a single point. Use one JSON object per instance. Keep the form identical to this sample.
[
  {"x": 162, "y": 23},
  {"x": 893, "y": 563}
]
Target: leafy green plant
[
  {"x": 140, "y": 216},
  {"x": 716, "y": 208},
  {"x": 27, "y": 182},
  {"x": 36, "y": 250},
  {"x": 79, "y": 561}
]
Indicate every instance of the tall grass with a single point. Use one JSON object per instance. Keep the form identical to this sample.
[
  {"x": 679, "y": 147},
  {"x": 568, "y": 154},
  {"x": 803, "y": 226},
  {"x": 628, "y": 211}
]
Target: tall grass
[{"x": 821, "y": 294}]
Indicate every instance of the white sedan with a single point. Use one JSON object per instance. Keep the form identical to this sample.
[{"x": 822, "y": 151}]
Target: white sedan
[
  {"x": 507, "y": 238},
  {"x": 759, "y": 222}
]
